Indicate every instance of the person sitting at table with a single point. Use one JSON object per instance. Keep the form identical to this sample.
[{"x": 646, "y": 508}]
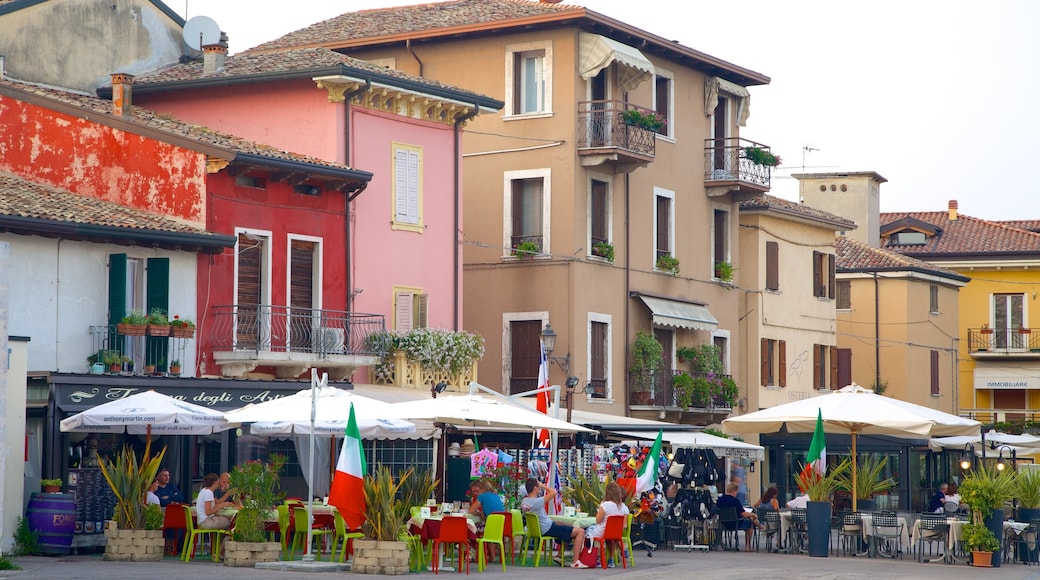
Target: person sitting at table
[
  {"x": 613, "y": 504},
  {"x": 207, "y": 508},
  {"x": 149, "y": 497},
  {"x": 769, "y": 499},
  {"x": 935, "y": 504},
  {"x": 224, "y": 485},
  {"x": 167, "y": 491},
  {"x": 747, "y": 519},
  {"x": 537, "y": 503},
  {"x": 953, "y": 499},
  {"x": 486, "y": 502},
  {"x": 800, "y": 502}
]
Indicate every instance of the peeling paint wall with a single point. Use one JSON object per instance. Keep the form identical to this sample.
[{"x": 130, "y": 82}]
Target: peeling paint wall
[
  {"x": 98, "y": 161},
  {"x": 77, "y": 43}
]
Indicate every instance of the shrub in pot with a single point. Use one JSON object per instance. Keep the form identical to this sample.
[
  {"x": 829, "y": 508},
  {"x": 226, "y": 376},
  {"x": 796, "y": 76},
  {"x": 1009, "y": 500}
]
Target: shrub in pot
[
  {"x": 869, "y": 480},
  {"x": 383, "y": 551},
  {"x": 255, "y": 485}
]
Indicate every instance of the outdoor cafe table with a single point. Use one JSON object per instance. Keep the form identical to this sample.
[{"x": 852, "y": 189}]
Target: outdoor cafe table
[
  {"x": 955, "y": 530},
  {"x": 580, "y": 522},
  {"x": 866, "y": 529},
  {"x": 430, "y": 528}
]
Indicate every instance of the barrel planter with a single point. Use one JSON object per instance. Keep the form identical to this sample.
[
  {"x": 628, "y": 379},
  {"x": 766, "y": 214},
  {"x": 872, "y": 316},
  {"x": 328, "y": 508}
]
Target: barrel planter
[
  {"x": 818, "y": 522},
  {"x": 995, "y": 523},
  {"x": 53, "y": 517}
]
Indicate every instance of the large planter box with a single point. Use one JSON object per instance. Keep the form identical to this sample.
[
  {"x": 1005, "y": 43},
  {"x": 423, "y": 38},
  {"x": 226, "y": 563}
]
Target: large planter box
[
  {"x": 372, "y": 557},
  {"x": 247, "y": 554},
  {"x": 132, "y": 545}
]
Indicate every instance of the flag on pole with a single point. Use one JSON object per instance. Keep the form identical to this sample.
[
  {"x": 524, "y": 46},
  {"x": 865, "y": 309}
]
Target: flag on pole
[
  {"x": 553, "y": 481},
  {"x": 347, "y": 492},
  {"x": 543, "y": 397},
  {"x": 646, "y": 479},
  {"x": 816, "y": 460}
]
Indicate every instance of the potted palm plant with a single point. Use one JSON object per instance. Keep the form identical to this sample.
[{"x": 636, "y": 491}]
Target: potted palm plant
[
  {"x": 382, "y": 551},
  {"x": 255, "y": 483},
  {"x": 127, "y": 538},
  {"x": 984, "y": 491},
  {"x": 820, "y": 489},
  {"x": 869, "y": 480}
]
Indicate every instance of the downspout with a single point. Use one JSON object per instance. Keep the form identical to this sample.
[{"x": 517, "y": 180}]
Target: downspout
[
  {"x": 408, "y": 46},
  {"x": 349, "y": 197},
  {"x": 457, "y": 159},
  {"x": 877, "y": 333},
  {"x": 628, "y": 286}
]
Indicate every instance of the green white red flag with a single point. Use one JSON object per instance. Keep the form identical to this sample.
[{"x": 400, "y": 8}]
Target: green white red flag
[
  {"x": 348, "y": 492},
  {"x": 646, "y": 479},
  {"x": 816, "y": 459}
]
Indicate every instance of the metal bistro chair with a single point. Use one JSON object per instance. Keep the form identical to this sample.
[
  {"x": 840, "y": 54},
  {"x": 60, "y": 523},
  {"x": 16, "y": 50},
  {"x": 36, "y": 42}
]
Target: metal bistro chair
[
  {"x": 886, "y": 534},
  {"x": 933, "y": 529},
  {"x": 729, "y": 526},
  {"x": 771, "y": 521},
  {"x": 1025, "y": 553},
  {"x": 850, "y": 534},
  {"x": 798, "y": 532}
]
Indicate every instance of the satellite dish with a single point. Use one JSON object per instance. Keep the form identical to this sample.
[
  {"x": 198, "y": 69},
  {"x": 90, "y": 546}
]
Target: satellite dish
[{"x": 201, "y": 31}]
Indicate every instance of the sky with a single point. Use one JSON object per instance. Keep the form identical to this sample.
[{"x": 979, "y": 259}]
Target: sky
[{"x": 935, "y": 96}]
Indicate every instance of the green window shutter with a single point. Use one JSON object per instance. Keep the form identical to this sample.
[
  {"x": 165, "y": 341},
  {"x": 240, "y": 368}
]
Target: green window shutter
[
  {"x": 157, "y": 295},
  {"x": 116, "y": 287}
]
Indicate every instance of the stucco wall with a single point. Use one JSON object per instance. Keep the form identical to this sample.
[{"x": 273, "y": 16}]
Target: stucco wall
[{"x": 77, "y": 44}]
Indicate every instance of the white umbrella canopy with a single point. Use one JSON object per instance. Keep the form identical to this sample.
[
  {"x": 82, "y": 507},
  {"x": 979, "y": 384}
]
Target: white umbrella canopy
[
  {"x": 1020, "y": 444},
  {"x": 477, "y": 412},
  {"x": 854, "y": 410},
  {"x": 146, "y": 412},
  {"x": 368, "y": 428}
]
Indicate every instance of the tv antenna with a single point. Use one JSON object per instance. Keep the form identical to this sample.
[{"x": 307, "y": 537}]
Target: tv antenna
[
  {"x": 801, "y": 183},
  {"x": 201, "y": 31}
]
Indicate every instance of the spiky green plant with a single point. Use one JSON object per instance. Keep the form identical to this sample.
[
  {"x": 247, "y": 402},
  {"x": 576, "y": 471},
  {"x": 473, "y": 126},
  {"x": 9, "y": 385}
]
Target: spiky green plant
[
  {"x": 1028, "y": 488},
  {"x": 822, "y": 487},
  {"x": 416, "y": 489},
  {"x": 868, "y": 477},
  {"x": 385, "y": 515},
  {"x": 129, "y": 481},
  {"x": 985, "y": 490},
  {"x": 585, "y": 492}
]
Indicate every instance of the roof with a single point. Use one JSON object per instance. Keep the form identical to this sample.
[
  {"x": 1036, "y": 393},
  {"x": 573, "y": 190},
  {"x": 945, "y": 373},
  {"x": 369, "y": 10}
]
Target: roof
[
  {"x": 1027, "y": 225},
  {"x": 14, "y": 5},
  {"x": 855, "y": 256},
  {"x": 167, "y": 129},
  {"x": 448, "y": 20},
  {"x": 296, "y": 63},
  {"x": 31, "y": 208},
  {"x": 796, "y": 210},
  {"x": 964, "y": 236}
]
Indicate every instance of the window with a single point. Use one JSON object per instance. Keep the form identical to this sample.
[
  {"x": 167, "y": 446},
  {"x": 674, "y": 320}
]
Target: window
[
  {"x": 720, "y": 236},
  {"x": 599, "y": 213},
  {"x": 908, "y": 239},
  {"x": 844, "y": 368},
  {"x": 722, "y": 343},
  {"x": 599, "y": 355},
  {"x": 825, "y": 366},
  {"x": 304, "y": 290},
  {"x": 407, "y": 189},
  {"x": 843, "y": 292},
  {"x": 772, "y": 266},
  {"x": 663, "y": 226},
  {"x": 933, "y": 357},
  {"x": 933, "y": 299},
  {"x": 526, "y": 206},
  {"x": 663, "y": 101},
  {"x": 774, "y": 363},
  {"x": 823, "y": 275},
  {"x": 252, "y": 290},
  {"x": 529, "y": 78},
  {"x": 1008, "y": 318},
  {"x": 411, "y": 309}
]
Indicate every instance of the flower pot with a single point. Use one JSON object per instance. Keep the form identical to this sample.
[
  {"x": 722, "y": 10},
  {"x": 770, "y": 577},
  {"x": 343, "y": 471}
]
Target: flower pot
[
  {"x": 149, "y": 369},
  {"x": 986, "y": 331},
  {"x": 158, "y": 330},
  {"x": 182, "y": 332},
  {"x": 129, "y": 545},
  {"x": 51, "y": 489},
  {"x": 175, "y": 370},
  {"x": 115, "y": 367},
  {"x": 383, "y": 557},
  {"x": 818, "y": 522},
  {"x": 131, "y": 329},
  {"x": 981, "y": 559}
]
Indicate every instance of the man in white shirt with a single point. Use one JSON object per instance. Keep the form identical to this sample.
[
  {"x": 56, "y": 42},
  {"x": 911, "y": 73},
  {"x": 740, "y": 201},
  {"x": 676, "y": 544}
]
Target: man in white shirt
[{"x": 801, "y": 501}]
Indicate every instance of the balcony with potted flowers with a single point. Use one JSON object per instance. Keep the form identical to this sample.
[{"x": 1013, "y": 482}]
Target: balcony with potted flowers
[
  {"x": 619, "y": 135},
  {"x": 1003, "y": 343},
  {"x": 740, "y": 167}
]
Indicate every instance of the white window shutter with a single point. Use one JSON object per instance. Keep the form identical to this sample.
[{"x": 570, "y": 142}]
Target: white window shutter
[
  {"x": 421, "y": 310},
  {"x": 403, "y": 316},
  {"x": 412, "y": 191},
  {"x": 401, "y": 185}
]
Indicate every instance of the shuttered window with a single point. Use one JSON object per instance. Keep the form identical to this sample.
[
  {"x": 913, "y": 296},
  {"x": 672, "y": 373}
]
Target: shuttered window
[
  {"x": 823, "y": 274},
  {"x": 598, "y": 359},
  {"x": 525, "y": 354},
  {"x": 598, "y": 230},
  {"x": 832, "y": 356},
  {"x": 247, "y": 302},
  {"x": 301, "y": 291},
  {"x": 527, "y": 199},
  {"x": 410, "y": 311},
  {"x": 774, "y": 363},
  {"x": 772, "y": 266},
  {"x": 933, "y": 357},
  {"x": 157, "y": 297},
  {"x": 664, "y": 220},
  {"x": 843, "y": 291},
  {"x": 407, "y": 192},
  {"x": 844, "y": 368}
]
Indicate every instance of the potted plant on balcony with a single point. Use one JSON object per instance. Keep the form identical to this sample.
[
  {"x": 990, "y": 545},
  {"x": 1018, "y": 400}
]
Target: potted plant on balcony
[
  {"x": 50, "y": 485},
  {"x": 649, "y": 120},
  {"x": 182, "y": 327},
  {"x": 986, "y": 329},
  {"x": 604, "y": 250},
  {"x": 647, "y": 358},
  {"x": 158, "y": 323},
  {"x": 668, "y": 263},
  {"x": 175, "y": 367},
  {"x": 526, "y": 249},
  {"x": 761, "y": 156},
  {"x": 114, "y": 361},
  {"x": 255, "y": 483},
  {"x": 724, "y": 271},
  {"x": 691, "y": 390},
  {"x": 133, "y": 324}
]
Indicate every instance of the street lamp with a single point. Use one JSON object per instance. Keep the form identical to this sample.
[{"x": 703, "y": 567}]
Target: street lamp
[
  {"x": 572, "y": 382},
  {"x": 548, "y": 337},
  {"x": 966, "y": 456},
  {"x": 1000, "y": 457}
]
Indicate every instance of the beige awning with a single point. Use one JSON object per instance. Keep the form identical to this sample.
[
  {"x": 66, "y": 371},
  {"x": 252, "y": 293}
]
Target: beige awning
[
  {"x": 713, "y": 85},
  {"x": 597, "y": 52},
  {"x": 680, "y": 314}
]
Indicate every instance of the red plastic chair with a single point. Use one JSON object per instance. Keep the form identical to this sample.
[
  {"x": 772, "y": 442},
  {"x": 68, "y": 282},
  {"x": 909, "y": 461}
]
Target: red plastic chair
[
  {"x": 454, "y": 531},
  {"x": 173, "y": 519},
  {"x": 613, "y": 532},
  {"x": 508, "y": 532}
]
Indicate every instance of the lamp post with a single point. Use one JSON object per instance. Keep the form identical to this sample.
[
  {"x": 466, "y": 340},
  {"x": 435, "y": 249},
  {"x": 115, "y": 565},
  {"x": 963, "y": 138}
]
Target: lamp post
[
  {"x": 967, "y": 456},
  {"x": 1000, "y": 457},
  {"x": 548, "y": 337},
  {"x": 572, "y": 382}
]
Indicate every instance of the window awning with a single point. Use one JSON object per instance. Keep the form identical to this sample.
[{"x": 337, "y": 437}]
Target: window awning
[
  {"x": 597, "y": 52},
  {"x": 714, "y": 85},
  {"x": 720, "y": 445},
  {"x": 680, "y": 314}
]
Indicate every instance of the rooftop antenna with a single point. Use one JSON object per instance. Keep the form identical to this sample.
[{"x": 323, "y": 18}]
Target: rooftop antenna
[
  {"x": 801, "y": 183},
  {"x": 201, "y": 31}
]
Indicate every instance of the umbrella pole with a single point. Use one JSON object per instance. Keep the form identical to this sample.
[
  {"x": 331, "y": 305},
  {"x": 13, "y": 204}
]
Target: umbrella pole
[{"x": 854, "y": 470}]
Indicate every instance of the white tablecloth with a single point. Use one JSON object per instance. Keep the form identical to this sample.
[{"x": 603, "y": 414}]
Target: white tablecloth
[
  {"x": 1015, "y": 528},
  {"x": 868, "y": 529}
]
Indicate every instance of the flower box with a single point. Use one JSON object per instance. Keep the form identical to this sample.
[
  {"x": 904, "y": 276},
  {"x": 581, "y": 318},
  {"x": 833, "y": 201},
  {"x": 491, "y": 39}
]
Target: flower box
[
  {"x": 131, "y": 329},
  {"x": 158, "y": 330},
  {"x": 182, "y": 331}
]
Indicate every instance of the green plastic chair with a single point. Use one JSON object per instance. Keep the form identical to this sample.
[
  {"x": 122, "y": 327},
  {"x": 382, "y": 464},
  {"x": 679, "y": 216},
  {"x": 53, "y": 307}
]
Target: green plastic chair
[
  {"x": 193, "y": 534},
  {"x": 518, "y": 531},
  {"x": 343, "y": 538},
  {"x": 300, "y": 532},
  {"x": 534, "y": 536},
  {"x": 494, "y": 531},
  {"x": 626, "y": 539}
]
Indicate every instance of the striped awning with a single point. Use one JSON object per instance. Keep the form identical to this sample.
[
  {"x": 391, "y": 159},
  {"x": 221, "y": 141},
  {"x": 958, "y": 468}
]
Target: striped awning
[
  {"x": 680, "y": 314},
  {"x": 597, "y": 52}
]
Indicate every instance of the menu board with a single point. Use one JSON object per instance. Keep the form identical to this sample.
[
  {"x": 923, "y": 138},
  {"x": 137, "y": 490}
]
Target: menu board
[{"x": 95, "y": 501}]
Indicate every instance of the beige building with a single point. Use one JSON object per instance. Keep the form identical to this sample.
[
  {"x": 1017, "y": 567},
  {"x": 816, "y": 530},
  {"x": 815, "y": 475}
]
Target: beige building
[{"x": 598, "y": 201}]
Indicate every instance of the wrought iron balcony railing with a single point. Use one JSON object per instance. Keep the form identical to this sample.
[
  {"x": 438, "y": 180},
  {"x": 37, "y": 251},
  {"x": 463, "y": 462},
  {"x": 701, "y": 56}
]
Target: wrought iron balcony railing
[
  {"x": 269, "y": 328},
  {"x": 657, "y": 389},
  {"x": 602, "y": 125},
  {"x": 727, "y": 159},
  {"x": 136, "y": 354},
  {"x": 1004, "y": 341}
]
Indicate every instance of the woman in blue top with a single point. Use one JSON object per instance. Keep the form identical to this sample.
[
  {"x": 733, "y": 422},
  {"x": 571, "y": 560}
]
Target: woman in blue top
[{"x": 487, "y": 501}]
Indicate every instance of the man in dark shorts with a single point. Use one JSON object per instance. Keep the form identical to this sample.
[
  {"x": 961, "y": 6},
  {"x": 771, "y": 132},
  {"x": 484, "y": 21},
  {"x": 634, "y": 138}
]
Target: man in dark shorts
[{"x": 537, "y": 503}]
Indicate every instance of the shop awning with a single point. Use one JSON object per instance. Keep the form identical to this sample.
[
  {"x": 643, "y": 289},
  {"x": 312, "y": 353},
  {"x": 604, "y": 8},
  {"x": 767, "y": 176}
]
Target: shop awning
[
  {"x": 720, "y": 445},
  {"x": 680, "y": 314},
  {"x": 598, "y": 52}
]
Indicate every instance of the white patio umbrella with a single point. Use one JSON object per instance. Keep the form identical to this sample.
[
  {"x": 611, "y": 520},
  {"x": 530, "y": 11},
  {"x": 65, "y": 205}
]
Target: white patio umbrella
[
  {"x": 478, "y": 412},
  {"x": 148, "y": 412},
  {"x": 1020, "y": 444},
  {"x": 854, "y": 410}
]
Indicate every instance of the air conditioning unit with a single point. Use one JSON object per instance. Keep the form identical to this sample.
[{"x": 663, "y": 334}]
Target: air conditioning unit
[{"x": 330, "y": 340}]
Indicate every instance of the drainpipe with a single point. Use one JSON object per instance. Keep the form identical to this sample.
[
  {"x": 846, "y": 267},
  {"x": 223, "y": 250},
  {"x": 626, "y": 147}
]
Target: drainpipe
[
  {"x": 877, "y": 333},
  {"x": 457, "y": 206},
  {"x": 349, "y": 197},
  {"x": 628, "y": 284},
  {"x": 408, "y": 46}
]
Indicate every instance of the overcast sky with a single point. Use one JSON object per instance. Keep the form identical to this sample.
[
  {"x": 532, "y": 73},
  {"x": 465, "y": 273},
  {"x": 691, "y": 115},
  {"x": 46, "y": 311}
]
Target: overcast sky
[{"x": 939, "y": 97}]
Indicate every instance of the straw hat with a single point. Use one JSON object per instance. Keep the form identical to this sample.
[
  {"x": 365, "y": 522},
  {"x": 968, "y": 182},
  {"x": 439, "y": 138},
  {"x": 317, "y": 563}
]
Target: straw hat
[{"x": 468, "y": 447}]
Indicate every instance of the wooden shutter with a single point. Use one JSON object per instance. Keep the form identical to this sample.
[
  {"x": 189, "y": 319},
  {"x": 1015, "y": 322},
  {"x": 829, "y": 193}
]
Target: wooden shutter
[
  {"x": 157, "y": 296},
  {"x": 844, "y": 368},
  {"x": 830, "y": 276},
  {"x": 518, "y": 210},
  {"x": 765, "y": 362},
  {"x": 598, "y": 359},
  {"x": 250, "y": 258},
  {"x": 817, "y": 375},
  {"x": 403, "y": 312},
  {"x": 422, "y": 317},
  {"x": 772, "y": 266},
  {"x": 116, "y": 287},
  {"x": 833, "y": 358},
  {"x": 816, "y": 274},
  {"x": 518, "y": 73},
  {"x": 301, "y": 292},
  {"x": 525, "y": 355},
  {"x": 406, "y": 186},
  {"x": 663, "y": 206},
  {"x": 598, "y": 212},
  {"x": 934, "y": 359},
  {"x": 721, "y": 235},
  {"x": 782, "y": 362}
]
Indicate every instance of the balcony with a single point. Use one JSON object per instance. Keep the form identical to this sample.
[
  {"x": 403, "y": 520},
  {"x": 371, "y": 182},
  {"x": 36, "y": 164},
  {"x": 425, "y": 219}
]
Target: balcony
[
  {"x": 131, "y": 355},
  {"x": 291, "y": 340},
  {"x": 1004, "y": 343},
  {"x": 655, "y": 391},
  {"x": 728, "y": 170},
  {"x": 605, "y": 139}
]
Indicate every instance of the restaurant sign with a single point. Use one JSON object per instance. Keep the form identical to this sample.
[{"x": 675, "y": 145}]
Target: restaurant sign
[{"x": 79, "y": 397}]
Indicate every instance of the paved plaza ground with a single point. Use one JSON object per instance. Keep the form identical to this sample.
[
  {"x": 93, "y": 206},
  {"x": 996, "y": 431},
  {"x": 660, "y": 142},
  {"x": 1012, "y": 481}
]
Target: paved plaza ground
[{"x": 664, "y": 564}]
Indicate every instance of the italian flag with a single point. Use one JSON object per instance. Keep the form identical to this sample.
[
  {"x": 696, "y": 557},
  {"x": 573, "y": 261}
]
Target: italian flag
[
  {"x": 816, "y": 460},
  {"x": 348, "y": 492},
  {"x": 646, "y": 479}
]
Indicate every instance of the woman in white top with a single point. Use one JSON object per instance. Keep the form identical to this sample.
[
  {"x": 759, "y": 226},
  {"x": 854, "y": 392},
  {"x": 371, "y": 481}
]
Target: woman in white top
[
  {"x": 206, "y": 507},
  {"x": 150, "y": 498},
  {"x": 613, "y": 505}
]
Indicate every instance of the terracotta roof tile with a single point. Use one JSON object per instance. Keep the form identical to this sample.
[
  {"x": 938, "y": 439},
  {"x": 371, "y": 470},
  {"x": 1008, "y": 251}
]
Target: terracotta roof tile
[
  {"x": 288, "y": 61},
  {"x": 770, "y": 202},
  {"x": 855, "y": 256},
  {"x": 1027, "y": 225},
  {"x": 20, "y": 197},
  {"x": 964, "y": 236}
]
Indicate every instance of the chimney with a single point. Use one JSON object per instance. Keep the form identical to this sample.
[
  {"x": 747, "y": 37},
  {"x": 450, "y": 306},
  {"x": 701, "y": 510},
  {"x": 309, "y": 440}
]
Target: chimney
[
  {"x": 213, "y": 55},
  {"x": 122, "y": 89},
  {"x": 953, "y": 210}
]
